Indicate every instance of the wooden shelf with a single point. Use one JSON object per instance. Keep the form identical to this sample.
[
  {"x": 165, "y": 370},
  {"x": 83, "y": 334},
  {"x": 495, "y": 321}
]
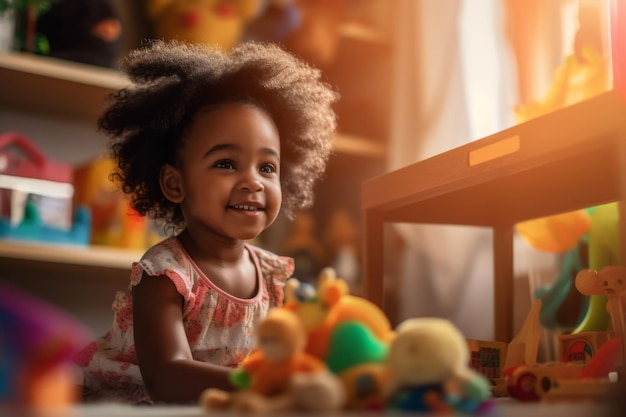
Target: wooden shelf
[
  {"x": 93, "y": 256},
  {"x": 54, "y": 87},
  {"x": 571, "y": 159},
  {"x": 77, "y": 92}
]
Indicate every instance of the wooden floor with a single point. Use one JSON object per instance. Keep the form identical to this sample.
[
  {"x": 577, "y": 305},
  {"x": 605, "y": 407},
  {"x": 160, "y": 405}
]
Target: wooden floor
[{"x": 501, "y": 408}]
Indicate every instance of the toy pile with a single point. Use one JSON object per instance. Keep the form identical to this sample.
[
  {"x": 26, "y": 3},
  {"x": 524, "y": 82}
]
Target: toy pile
[{"x": 326, "y": 350}]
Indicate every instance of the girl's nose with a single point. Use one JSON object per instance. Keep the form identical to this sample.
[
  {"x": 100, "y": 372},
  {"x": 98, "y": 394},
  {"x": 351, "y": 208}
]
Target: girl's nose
[{"x": 250, "y": 181}]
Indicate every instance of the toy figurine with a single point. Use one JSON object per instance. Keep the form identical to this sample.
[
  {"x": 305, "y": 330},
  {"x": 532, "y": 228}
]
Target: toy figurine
[
  {"x": 429, "y": 370},
  {"x": 279, "y": 375}
]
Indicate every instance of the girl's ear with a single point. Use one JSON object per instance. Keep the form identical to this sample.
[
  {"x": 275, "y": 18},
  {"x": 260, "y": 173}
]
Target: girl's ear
[{"x": 171, "y": 183}]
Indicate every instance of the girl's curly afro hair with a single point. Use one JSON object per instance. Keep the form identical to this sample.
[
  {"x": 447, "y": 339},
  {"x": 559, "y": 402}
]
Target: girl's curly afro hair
[{"x": 171, "y": 81}]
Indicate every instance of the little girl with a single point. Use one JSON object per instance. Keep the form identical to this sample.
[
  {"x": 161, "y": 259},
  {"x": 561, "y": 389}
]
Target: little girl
[{"x": 214, "y": 145}]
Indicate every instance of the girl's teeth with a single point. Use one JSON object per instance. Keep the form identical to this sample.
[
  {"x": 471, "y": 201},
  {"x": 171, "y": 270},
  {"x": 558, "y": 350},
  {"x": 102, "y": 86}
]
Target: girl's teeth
[{"x": 250, "y": 208}]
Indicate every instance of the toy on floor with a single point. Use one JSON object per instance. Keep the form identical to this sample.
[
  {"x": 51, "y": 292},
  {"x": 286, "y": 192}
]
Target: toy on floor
[
  {"x": 587, "y": 372},
  {"x": 611, "y": 282},
  {"x": 212, "y": 22},
  {"x": 279, "y": 375},
  {"x": 428, "y": 364},
  {"x": 37, "y": 343},
  {"x": 350, "y": 334}
]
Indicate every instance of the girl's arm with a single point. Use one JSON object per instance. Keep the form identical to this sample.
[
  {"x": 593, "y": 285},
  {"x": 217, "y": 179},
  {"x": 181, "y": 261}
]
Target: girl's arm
[{"x": 167, "y": 367}]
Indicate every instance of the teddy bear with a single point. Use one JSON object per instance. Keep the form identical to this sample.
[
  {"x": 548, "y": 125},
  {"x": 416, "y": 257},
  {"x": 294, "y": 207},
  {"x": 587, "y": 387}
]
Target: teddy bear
[
  {"x": 219, "y": 23},
  {"x": 429, "y": 371},
  {"x": 279, "y": 375}
]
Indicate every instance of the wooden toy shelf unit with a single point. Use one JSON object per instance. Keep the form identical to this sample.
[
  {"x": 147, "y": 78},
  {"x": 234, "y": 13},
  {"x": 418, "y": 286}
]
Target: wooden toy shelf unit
[{"x": 570, "y": 159}]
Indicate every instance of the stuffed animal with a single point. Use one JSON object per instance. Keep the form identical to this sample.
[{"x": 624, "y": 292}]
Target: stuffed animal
[
  {"x": 213, "y": 22},
  {"x": 86, "y": 31},
  {"x": 308, "y": 28},
  {"x": 429, "y": 370},
  {"x": 350, "y": 334},
  {"x": 279, "y": 375}
]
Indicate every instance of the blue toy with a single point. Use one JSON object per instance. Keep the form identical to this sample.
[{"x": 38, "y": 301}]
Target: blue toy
[{"x": 32, "y": 228}]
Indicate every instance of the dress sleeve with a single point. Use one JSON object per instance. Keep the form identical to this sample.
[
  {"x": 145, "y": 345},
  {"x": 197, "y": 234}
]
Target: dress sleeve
[
  {"x": 276, "y": 269},
  {"x": 166, "y": 259}
]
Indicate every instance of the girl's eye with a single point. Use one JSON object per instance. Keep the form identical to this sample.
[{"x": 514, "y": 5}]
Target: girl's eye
[
  {"x": 224, "y": 164},
  {"x": 268, "y": 169}
]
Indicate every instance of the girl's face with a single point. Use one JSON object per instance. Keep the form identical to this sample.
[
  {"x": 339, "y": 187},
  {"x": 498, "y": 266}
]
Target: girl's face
[{"x": 230, "y": 172}]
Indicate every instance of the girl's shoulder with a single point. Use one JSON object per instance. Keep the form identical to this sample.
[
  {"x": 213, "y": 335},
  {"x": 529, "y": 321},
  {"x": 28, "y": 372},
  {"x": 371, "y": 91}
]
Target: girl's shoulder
[
  {"x": 273, "y": 264},
  {"x": 166, "y": 258}
]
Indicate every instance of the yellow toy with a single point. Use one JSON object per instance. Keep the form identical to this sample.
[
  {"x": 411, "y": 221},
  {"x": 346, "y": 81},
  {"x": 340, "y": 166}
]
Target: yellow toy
[
  {"x": 279, "y": 376},
  {"x": 211, "y": 22},
  {"x": 350, "y": 334},
  {"x": 429, "y": 370},
  {"x": 330, "y": 306}
]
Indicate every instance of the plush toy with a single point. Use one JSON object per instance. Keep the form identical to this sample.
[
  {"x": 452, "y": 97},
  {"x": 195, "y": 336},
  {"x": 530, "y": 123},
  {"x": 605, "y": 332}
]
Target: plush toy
[
  {"x": 214, "y": 22},
  {"x": 350, "y": 334},
  {"x": 308, "y": 28},
  {"x": 86, "y": 31},
  {"x": 279, "y": 375},
  {"x": 331, "y": 305},
  {"x": 429, "y": 369}
]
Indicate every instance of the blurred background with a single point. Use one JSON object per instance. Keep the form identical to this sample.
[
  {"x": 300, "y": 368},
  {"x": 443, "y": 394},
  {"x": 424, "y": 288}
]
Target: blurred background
[{"x": 416, "y": 78}]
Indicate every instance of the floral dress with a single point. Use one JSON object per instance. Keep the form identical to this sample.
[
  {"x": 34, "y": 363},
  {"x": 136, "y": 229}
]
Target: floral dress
[{"x": 220, "y": 328}]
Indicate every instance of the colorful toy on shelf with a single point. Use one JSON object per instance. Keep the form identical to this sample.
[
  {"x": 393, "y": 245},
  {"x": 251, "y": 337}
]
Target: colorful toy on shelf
[
  {"x": 428, "y": 364},
  {"x": 33, "y": 228},
  {"x": 308, "y": 28},
  {"x": 279, "y": 376},
  {"x": 114, "y": 222},
  {"x": 212, "y": 22},
  {"x": 38, "y": 342},
  {"x": 85, "y": 31},
  {"x": 350, "y": 334},
  {"x": 27, "y": 175}
]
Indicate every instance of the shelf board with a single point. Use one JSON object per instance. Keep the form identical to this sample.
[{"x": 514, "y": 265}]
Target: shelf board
[
  {"x": 94, "y": 256},
  {"x": 55, "y": 87},
  {"x": 71, "y": 90}
]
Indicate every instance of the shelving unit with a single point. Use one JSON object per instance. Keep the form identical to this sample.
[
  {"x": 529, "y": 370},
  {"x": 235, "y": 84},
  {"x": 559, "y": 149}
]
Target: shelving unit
[
  {"x": 77, "y": 92},
  {"x": 570, "y": 159},
  {"x": 58, "y": 103}
]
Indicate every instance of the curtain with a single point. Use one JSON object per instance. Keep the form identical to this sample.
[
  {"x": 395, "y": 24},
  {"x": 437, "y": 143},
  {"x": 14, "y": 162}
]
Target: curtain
[{"x": 454, "y": 81}]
